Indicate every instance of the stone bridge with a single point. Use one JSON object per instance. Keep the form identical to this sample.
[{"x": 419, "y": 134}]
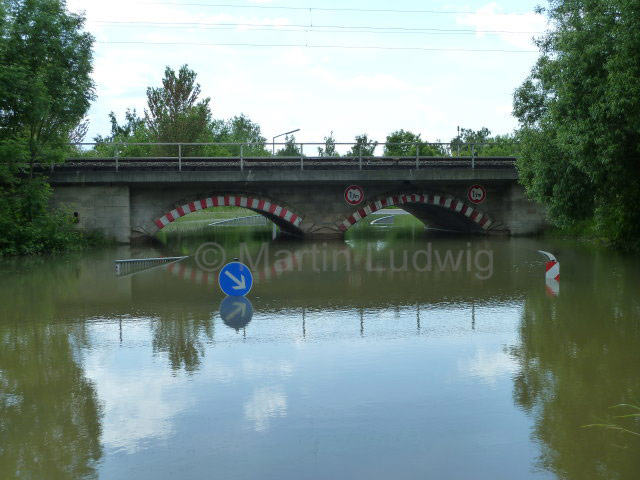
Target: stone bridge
[{"x": 135, "y": 204}]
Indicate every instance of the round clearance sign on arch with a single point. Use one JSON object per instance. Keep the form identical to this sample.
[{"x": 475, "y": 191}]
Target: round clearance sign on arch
[
  {"x": 476, "y": 194},
  {"x": 353, "y": 194}
]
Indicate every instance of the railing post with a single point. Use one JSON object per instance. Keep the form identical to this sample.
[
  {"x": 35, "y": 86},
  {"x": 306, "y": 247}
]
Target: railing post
[
  {"x": 473, "y": 155},
  {"x": 179, "y": 157},
  {"x": 301, "y": 156},
  {"x": 116, "y": 157},
  {"x": 360, "y": 157},
  {"x": 417, "y": 156},
  {"x": 241, "y": 158}
]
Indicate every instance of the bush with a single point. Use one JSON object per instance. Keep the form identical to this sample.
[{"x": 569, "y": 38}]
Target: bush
[{"x": 27, "y": 226}]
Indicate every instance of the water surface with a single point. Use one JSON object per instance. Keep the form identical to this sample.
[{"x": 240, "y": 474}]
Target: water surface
[{"x": 358, "y": 368}]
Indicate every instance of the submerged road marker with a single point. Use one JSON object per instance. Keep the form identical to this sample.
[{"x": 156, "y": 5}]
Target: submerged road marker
[{"x": 552, "y": 274}]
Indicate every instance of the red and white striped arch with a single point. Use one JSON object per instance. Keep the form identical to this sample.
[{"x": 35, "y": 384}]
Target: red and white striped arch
[
  {"x": 230, "y": 201},
  {"x": 443, "y": 201}
]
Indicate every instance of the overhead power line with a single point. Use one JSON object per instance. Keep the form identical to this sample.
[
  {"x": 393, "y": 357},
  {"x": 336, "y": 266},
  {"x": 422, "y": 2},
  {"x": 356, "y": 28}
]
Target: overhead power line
[
  {"x": 326, "y": 9},
  {"x": 349, "y": 47},
  {"x": 312, "y": 27},
  {"x": 301, "y": 30}
]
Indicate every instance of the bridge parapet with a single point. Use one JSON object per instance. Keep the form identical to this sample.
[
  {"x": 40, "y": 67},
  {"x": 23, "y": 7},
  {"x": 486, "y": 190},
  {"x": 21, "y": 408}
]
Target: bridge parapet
[{"x": 240, "y": 156}]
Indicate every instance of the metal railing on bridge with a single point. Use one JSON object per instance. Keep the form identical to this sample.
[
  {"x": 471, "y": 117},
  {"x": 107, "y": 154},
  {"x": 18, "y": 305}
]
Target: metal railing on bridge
[{"x": 240, "y": 156}]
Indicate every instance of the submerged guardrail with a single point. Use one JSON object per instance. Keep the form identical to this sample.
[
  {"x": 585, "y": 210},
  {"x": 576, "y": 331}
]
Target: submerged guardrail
[{"x": 124, "y": 268}]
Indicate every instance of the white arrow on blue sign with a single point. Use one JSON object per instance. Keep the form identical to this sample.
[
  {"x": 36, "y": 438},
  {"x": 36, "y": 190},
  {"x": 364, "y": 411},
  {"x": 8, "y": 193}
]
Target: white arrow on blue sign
[{"x": 235, "y": 279}]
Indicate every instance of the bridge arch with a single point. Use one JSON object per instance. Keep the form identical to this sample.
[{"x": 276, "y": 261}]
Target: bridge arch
[
  {"x": 470, "y": 216},
  {"x": 280, "y": 215}
]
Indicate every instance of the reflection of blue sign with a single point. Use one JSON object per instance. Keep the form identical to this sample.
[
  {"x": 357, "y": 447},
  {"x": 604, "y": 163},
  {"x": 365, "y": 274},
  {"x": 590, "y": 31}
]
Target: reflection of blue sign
[
  {"x": 235, "y": 279},
  {"x": 236, "y": 312}
]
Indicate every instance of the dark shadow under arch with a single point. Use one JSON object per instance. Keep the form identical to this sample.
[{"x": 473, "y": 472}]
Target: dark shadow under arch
[{"x": 443, "y": 209}]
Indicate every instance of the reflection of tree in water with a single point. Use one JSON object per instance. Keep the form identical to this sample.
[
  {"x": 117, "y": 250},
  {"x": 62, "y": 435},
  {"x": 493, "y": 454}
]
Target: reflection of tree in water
[
  {"x": 579, "y": 356},
  {"x": 182, "y": 337},
  {"x": 49, "y": 413}
]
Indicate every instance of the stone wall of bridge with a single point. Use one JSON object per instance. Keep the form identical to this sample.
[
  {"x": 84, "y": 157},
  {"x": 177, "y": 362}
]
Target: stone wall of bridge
[
  {"x": 127, "y": 207},
  {"x": 104, "y": 209}
]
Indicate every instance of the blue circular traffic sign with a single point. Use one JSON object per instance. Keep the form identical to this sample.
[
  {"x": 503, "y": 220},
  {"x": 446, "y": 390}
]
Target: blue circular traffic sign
[{"x": 235, "y": 279}]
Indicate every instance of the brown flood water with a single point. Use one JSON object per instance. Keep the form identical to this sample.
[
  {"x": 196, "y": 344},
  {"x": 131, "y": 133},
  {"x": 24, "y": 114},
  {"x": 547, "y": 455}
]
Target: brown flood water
[{"x": 344, "y": 363}]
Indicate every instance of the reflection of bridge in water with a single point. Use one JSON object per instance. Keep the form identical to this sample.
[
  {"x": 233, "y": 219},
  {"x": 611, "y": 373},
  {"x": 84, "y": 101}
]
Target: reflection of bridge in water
[{"x": 290, "y": 286}]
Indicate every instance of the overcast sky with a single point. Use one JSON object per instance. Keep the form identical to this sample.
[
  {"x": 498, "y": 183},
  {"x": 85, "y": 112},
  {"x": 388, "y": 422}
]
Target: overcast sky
[{"x": 422, "y": 71}]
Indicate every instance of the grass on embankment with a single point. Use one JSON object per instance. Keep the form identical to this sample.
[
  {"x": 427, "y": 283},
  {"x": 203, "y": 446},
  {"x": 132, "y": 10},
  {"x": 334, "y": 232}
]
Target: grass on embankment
[
  {"x": 593, "y": 233},
  {"x": 584, "y": 231},
  {"x": 403, "y": 226},
  {"x": 201, "y": 219},
  {"x": 196, "y": 226}
]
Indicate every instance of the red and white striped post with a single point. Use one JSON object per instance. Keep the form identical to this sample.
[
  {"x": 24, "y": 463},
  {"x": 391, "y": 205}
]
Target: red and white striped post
[{"x": 552, "y": 274}]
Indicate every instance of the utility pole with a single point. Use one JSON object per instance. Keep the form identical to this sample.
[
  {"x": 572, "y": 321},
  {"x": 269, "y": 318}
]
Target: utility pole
[{"x": 273, "y": 140}]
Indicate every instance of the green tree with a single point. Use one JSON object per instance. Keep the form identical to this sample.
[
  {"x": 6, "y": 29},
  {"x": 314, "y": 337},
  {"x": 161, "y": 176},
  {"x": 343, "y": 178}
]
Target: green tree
[
  {"x": 290, "y": 149},
  {"x": 45, "y": 79},
  {"x": 579, "y": 114},
  {"x": 27, "y": 226},
  {"x": 466, "y": 136},
  {"x": 133, "y": 130},
  {"x": 329, "y": 149},
  {"x": 501, "y": 146},
  {"x": 363, "y": 146},
  {"x": 174, "y": 113},
  {"x": 403, "y": 143},
  {"x": 239, "y": 129},
  {"x": 45, "y": 92},
  {"x": 483, "y": 143}
]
